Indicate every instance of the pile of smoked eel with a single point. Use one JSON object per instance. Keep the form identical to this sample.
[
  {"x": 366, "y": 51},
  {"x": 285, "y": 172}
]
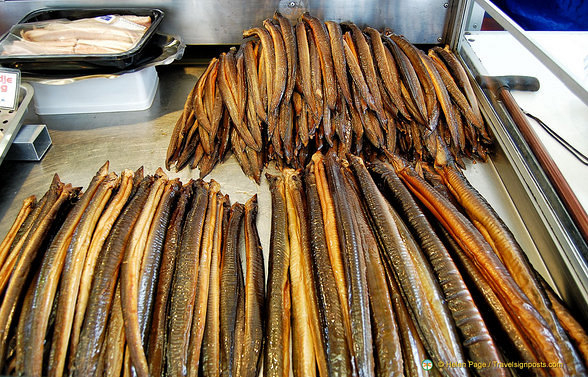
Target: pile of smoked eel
[
  {"x": 371, "y": 272},
  {"x": 289, "y": 91},
  {"x": 135, "y": 276}
]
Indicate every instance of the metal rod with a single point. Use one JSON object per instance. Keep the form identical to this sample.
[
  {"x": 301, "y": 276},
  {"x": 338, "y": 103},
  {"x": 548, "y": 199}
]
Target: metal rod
[{"x": 569, "y": 80}]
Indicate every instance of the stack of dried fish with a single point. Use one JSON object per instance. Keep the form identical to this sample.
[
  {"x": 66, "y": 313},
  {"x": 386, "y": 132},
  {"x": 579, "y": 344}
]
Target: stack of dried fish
[
  {"x": 290, "y": 90},
  {"x": 136, "y": 275},
  {"x": 367, "y": 285},
  {"x": 143, "y": 275}
]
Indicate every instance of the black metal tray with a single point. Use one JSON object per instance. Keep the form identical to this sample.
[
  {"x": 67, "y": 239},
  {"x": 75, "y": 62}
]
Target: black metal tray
[{"x": 79, "y": 61}]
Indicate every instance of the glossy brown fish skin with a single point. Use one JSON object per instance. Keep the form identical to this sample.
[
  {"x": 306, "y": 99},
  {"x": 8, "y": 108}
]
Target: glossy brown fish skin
[
  {"x": 316, "y": 82},
  {"x": 268, "y": 56},
  {"x": 252, "y": 81},
  {"x": 210, "y": 351},
  {"x": 412, "y": 53},
  {"x": 333, "y": 332},
  {"x": 59, "y": 345},
  {"x": 366, "y": 62},
  {"x": 339, "y": 61},
  {"x": 114, "y": 343},
  {"x": 387, "y": 69},
  {"x": 573, "y": 328},
  {"x": 229, "y": 291},
  {"x": 413, "y": 349},
  {"x": 250, "y": 362},
  {"x": 158, "y": 334},
  {"x": 176, "y": 141},
  {"x": 307, "y": 347},
  {"x": 73, "y": 269},
  {"x": 276, "y": 349},
  {"x": 286, "y": 130},
  {"x": 199, "y": 108},
  {"x": 332, "y": 237},
  {"x": 234, "y": 93},
  {"x": 23, "y": 330},
  {"x": 304, "y": 67},
  {"x": 494, "y": 311},
  {"x": 507, "y": 248},
  {"x": 19, "y": 239},
  {"x": 239, "y": 151},
  {"x": 354, "y": 263},
  {"x": 185, "y": 277},
  {"x": 48, "y": 279},
  {"x": 202, "y": 284},
  {"x": 104, "y": 283},
  {"x": 475, "y": 334},
  {"x": 326, "y": 58},
  {"x": 213, "y": 102},
  {"x": 194, "y": 141},
  {"x": 444, "y": 100},
  {"x": 415, "y": 278},
  {"x": 151, "y": 258},
  {"x": 129, "y": 277},
  {"x": 456, "y": 94},
  {"x": 460, "y": 75},
  {"x": 291, "y": 53},
  {"x": 357, "y": 74},
  {"x": 57, "y": 197},
  {"x": 529, "y": 321},
  {"x": 386, "y": 338},
  {"x": 27, "y": 207},
  {"x": 410, "y": 77},
  {"x": 373, "y": 129},
  {"x": 239, "y": 317}
]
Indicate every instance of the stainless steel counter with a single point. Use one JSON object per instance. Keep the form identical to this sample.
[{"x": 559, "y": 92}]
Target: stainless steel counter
[{"x": 82, "y": 143}]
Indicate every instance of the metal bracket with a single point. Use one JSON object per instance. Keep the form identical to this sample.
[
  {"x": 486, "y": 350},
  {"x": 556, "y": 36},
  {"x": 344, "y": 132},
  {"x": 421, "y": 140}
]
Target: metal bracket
[{"x": 30, "y": 144}]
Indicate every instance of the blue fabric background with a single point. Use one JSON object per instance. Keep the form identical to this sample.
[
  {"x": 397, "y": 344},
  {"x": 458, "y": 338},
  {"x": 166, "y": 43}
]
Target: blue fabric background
[{"x": 569, "y": 15}]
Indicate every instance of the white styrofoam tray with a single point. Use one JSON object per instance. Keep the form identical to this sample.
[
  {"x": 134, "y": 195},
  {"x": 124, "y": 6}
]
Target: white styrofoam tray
[{"x": 128, "y": 92}]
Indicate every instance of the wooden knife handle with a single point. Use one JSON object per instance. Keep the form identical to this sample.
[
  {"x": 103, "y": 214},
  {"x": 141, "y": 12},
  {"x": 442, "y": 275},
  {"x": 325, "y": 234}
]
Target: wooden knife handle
[{"x": 557, "y": 179}]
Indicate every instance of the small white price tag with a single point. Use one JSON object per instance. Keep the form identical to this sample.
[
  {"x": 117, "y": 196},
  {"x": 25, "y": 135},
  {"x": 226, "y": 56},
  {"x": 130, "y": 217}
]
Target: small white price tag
[{"x": 9, "y": 85}]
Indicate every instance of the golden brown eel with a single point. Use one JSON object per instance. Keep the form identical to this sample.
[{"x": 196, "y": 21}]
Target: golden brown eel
[
  {"x": 527, "y": 318},
  {"x": 27, "y": 207},
  {"x": 469, "y": 321},
  {"x": 158, "y": 334},
  {"x": 200, "y": 308},
  {"x": 333, "y": 332},
  {"x": 60, "y": 344},
  {"x": 339, "y": 61},
  {"x": 276, "y": 354},
  {"x": 250, "y": 358},
  {"x": 184, "y": 287},
  {"x": 503, "y": 242},
  {"x": 73, "y": 267},
  {"x": 130, "y": 273},
  {"x": 354, "y": 265},
  {"x": 210, "y": 359},
  {"x": 101, "y": 295},
  {"x": 229, "y": 291},
  {"x": 326, "y": 58}
]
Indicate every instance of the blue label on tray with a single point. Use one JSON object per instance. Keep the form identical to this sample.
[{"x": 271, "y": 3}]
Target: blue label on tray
[{"x": 108, "y": 18}]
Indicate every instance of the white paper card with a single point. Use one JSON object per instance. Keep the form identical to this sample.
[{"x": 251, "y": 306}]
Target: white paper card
[{"x": 9, "y": 85}]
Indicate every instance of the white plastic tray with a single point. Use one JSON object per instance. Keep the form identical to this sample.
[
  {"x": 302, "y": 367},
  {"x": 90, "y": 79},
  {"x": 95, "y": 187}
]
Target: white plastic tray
[{"x": 127, "y": 92}]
